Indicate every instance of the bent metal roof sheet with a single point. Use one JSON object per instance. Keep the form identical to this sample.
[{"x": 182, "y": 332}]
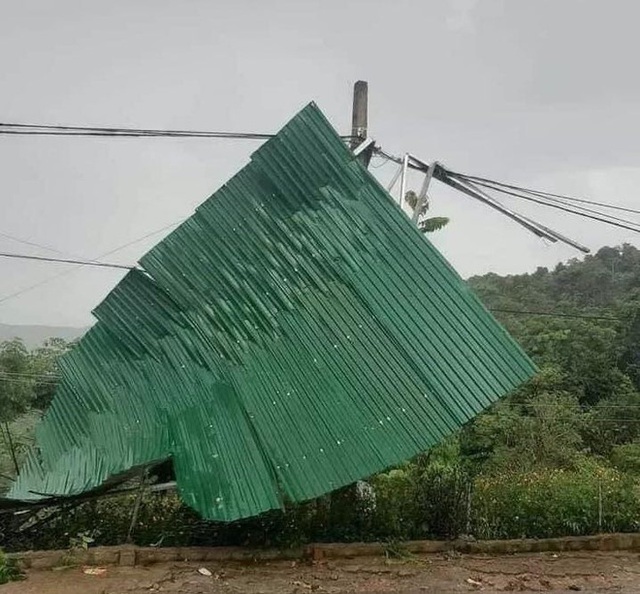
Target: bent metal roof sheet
[{"x": 296, "y": 334}]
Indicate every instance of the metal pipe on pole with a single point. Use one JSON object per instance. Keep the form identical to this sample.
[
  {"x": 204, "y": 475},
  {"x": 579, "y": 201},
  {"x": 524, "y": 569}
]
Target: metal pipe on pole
[
  {"x": 360, "y": 120},
  {"x": 403, "y": 179}
]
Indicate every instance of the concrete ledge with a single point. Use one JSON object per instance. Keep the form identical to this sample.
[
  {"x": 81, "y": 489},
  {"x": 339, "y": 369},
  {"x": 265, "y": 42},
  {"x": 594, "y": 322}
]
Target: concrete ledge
[{"x": 130, "y": 555}]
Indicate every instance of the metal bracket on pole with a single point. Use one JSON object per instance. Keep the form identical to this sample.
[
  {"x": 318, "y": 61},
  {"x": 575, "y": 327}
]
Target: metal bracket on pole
[
  {"x": 363, "y": 146},
  {"x": 403, "y": 178},
  {"x": 422, "y": 197}
]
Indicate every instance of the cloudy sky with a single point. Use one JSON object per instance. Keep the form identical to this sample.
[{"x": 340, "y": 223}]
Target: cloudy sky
[{"x": 542, "y": 93}]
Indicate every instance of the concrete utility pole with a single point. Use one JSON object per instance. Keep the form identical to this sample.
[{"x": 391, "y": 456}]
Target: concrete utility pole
[{"x": 360, "y": 119}]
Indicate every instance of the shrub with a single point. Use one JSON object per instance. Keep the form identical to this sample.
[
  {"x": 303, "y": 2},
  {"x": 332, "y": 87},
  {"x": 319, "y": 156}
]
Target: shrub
[
  {"x": 394, "y": 506},
  {"x": 428, "y": 498},
  {"x": 9, "y": 571},
  {"x": 552, "y": 502},
  {"x": 441, "y": 499}
]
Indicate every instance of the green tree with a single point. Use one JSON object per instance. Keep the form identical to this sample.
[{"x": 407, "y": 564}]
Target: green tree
[
  {"x": 16, "y": 391},
  {"x": 27, "y": 383},
  {"x": 44, "y": 366},
  {"x": 539, "y": 426},
  {"x": 614, "y": 421},
  {"x": 428, "y": 225},
  {"x": 587, "y": 351},
  {"x": 626, "y": 458},
  {"x": 16, "y": 380}
]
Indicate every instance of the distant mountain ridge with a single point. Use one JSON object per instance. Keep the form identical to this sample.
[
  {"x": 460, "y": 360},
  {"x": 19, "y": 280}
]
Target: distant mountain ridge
[{"x": 34, "y": 336}]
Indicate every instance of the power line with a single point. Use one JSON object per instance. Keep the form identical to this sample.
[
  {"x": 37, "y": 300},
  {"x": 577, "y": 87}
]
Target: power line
[
  {"x": 230, "y": 136},
  {"x": 576, "y": 209},
  {"x": 594, "y": 408},
  {"x": 39, "y": 245},
  {"x": 121, "y": 266},
  {"x": 139, "y": 239},
  {"x": 538, "y": 229},
  {"x": 66, "y": 261},
  {"x": 543, "y": 198},
  {"x": 542, "y": 193},
  {"x": 32, "y": 243},
  {"x": 77, "y": 267},
  {"x": 522, "y": 193},
  {"x": 599, "y": 420},
  {"x": 53, "y": 130},
  {"x": 441, "y": 173},
  {"x": 584, "y": 212},
  {"x": 56, "y": 130},
  {"x": 552, "y": 314}
]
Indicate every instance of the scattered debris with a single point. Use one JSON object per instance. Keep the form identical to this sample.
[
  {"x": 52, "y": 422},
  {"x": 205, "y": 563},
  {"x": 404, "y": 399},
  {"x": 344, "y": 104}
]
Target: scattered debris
[
  {"x": 573, "y": 572},
  {"x": 100, "y": 571}
]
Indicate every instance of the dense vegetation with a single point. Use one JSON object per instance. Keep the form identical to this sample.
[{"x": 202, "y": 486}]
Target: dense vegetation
[
  {"x": 585, "y": 401},
  {"x": 559, "y": 456},
  {"x": 27, "y": 383}
]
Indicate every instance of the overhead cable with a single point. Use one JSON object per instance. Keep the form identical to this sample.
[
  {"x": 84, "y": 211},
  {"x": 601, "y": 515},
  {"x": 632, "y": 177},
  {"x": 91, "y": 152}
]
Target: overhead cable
[
  {"x": 552, "y": 314},
  {"x": 66, "y": 261},
  {"x": 473, "y": 186},
  {"x": 538, "y": 228},
  {"x": 550, "y": 194},
  {"x": 56, "y": 130},
  {"x": 579, "y": 211},
  {"x": 77, "y": 267},
  {"x": 31, "y": 243},
  {"x": 442, "y": 174}
]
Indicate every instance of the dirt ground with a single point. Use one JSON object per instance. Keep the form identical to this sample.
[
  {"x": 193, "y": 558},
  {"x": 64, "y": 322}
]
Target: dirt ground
[{"x": 563, "y": 572}]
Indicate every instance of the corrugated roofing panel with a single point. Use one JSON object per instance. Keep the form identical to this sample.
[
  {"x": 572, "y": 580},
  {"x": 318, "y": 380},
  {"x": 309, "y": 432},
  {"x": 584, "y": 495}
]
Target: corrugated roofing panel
[{"x": 296, "y": 334}]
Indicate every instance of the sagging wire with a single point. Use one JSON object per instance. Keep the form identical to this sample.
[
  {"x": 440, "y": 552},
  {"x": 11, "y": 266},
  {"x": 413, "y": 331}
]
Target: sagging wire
[
  {"x": 559, "y": 204},
  {"x": 550, "y": 194},
  {"x": 476, "y": 187}
]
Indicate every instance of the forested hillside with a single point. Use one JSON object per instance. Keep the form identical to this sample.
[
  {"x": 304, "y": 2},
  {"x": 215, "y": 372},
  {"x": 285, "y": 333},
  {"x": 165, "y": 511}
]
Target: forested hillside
[{"x": 585, "y": 400}]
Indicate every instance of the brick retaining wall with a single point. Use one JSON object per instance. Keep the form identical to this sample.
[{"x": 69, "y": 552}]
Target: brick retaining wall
[{"x": 130, "y": 555}]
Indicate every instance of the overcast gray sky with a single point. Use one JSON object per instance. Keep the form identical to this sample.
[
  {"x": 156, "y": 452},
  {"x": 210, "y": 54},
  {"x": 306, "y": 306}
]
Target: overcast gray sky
[{"x": 544, "y": 92}]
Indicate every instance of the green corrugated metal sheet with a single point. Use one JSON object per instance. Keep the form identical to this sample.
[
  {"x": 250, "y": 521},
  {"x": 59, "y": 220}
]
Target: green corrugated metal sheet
[{"x": 296, "y": 334}]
